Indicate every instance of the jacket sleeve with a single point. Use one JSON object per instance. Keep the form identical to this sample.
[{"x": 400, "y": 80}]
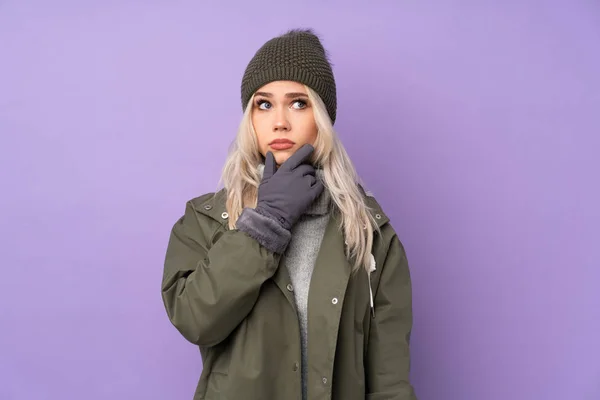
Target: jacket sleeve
[
  {"x": 209, "y": 289},
  {"x": 388, "y": 355}
]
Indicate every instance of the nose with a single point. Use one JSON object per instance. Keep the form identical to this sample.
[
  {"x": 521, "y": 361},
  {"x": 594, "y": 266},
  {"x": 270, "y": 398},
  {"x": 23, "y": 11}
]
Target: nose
[{"x": 281, "y": 122}]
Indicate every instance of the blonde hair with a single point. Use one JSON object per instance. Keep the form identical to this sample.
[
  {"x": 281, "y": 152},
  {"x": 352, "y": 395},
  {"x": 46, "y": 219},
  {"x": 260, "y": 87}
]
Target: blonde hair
[{"x": 241, "y": 178}]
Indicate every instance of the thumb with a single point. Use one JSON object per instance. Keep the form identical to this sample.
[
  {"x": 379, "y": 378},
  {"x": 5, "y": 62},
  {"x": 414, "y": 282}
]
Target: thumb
[{"x": 270, "y": 166}]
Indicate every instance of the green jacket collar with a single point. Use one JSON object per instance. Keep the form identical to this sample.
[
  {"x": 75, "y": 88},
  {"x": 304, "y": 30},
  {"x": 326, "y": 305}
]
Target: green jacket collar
[{"x": 214, "y": 207}]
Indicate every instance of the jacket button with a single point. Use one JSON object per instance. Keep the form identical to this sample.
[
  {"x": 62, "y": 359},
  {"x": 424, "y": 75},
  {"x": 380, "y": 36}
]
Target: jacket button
[
  {"x": 207, "y": 207},
  {"x": 290, "y": 287},
  {"x": 324, "y": 381},
  {"x": 295, "y": 367},
  {"x": 378, "y": 216},
  {"x": 334, "y": 300},
  {"x": 224, "y": 215}
]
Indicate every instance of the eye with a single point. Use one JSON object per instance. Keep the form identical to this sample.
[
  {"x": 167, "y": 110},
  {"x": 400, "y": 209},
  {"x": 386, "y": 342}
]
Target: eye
[
  {"x": 263, "y": 104},
  {"x": 299, "y": 104}
]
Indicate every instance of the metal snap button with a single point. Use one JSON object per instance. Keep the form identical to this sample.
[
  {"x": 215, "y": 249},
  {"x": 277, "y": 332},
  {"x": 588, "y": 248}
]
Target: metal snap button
[
  {"x": 207, "y": 207},
  {"x": 295, "y": 367},
  {"x": 334, "y": 300},
  {"x": 324, "y": 381},
  {"x": 224, "y": 215},
  {"x": 378, "y": 216},
  {"x": 290, "y": 287}
]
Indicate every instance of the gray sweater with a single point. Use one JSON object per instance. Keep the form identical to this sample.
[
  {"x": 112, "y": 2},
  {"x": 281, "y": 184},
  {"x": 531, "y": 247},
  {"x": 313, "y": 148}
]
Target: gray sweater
[{"x": 300, "y": 257}]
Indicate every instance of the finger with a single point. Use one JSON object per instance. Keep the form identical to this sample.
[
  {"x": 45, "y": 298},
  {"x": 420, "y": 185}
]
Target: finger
[
  {"x": 311, "y": 179},
  {"x": 305, "y": 169},
  {"x": 317, "y": 188},
  {"x": 270, "y": 166},
  {"x": 298, "y": 157}
]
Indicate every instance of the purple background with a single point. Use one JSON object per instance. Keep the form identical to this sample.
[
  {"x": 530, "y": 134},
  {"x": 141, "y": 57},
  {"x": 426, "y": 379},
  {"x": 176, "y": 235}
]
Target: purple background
[{"x": 476, "y": 124}]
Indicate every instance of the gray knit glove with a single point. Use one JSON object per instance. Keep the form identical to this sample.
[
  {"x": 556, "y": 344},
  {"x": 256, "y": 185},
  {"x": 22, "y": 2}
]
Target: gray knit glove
[
  {"x": 285, "y": 193},
  {"x": 283, "y": 196}
]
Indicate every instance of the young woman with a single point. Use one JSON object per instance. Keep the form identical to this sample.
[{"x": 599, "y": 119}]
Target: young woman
[{"x": 291, "y": 279}]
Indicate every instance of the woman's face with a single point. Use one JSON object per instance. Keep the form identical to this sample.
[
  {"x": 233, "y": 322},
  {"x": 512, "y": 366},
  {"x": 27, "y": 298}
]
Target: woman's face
[{"x": 283, "y": 119}]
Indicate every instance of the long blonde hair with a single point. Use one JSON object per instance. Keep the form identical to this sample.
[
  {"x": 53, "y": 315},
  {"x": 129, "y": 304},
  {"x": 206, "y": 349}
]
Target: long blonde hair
[{"x": 241, "y": 178}]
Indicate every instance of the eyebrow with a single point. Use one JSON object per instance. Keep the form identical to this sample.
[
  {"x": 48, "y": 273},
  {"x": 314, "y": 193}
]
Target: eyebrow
[{"x": 288, "y": 95}]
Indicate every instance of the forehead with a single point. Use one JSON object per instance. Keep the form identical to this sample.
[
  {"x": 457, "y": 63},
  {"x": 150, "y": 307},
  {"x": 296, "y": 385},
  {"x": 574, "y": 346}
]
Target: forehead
[{"x": 282, "y": 87}]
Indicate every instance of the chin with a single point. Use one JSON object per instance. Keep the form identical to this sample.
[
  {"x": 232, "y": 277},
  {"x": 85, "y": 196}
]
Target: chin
[{"x": 282, "y": 156}]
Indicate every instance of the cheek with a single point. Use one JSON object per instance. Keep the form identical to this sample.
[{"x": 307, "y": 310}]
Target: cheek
[
  {"x": 314, "y": 132},
  {"x": 308, "y": 128},
  {"x": 261, "y": 133},
  {"x": 311, "y": 132}
]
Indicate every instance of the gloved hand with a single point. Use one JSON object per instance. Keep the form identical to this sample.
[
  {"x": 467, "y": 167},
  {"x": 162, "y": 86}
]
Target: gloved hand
[{"x": 285, "y": 193}]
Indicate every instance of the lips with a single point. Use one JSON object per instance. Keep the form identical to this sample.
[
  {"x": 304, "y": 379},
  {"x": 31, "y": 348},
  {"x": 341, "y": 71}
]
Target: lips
[
  {"x": 281, "y": 141},
  {"x": 281, "y": 144}
]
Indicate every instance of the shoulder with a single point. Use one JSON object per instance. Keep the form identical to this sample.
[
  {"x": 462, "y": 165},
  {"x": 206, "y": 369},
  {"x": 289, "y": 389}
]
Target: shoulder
[
  {"x": 375, "y": 208},
  {"x": 203, "y": 215},
  {"x": 206, "y": 199},
  {"x": 387, "y": 236},
  {"x": 201, "y": 219},
  {"x": 211, "y": 205}
]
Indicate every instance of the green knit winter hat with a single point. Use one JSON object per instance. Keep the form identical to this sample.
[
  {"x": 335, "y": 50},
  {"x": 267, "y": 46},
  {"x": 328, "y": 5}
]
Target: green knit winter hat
[{"x": 297, "y": 55}]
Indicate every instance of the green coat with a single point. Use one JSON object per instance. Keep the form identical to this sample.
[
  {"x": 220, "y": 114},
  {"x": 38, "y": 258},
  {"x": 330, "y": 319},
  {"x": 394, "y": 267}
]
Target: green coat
[{"x": 233, "y": 298}]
